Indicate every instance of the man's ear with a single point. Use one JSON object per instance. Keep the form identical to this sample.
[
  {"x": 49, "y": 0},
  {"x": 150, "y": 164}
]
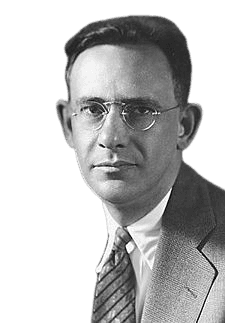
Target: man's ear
[
  {"x": 64, "y": 114},
  {"x": 190, "y": 118}
]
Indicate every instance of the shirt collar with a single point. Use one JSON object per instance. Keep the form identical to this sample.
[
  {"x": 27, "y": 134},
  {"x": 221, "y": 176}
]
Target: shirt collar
[{"x": 144, "y": 232}]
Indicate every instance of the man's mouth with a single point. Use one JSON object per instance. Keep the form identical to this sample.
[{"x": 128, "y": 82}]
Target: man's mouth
[{"x": 117, "y": 164}]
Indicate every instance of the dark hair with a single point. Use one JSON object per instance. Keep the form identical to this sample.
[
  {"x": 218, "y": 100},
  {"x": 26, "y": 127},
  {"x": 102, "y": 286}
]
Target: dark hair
[{"x": 138, "y": 30}]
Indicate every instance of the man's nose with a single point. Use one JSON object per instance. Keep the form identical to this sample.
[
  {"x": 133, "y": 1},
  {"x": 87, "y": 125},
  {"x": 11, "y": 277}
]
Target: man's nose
[{"x": 114, "y": 133}]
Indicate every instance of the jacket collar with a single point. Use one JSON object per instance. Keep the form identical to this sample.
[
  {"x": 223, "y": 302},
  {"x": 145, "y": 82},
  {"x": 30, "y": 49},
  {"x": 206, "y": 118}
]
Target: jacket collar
[{"x": 182, "y": 275}]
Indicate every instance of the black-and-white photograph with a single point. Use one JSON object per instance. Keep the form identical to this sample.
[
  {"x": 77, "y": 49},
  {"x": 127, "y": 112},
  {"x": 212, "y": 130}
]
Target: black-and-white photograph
[
  {"x": 113, "y": 182},
  {"x": 128, "y": 118}
]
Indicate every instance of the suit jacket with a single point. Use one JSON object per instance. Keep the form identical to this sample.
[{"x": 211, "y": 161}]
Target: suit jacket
[{"x": 188, "y": 276}]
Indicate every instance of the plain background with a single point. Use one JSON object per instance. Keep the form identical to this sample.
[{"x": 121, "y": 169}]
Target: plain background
[{"x": 52, "y": 227}]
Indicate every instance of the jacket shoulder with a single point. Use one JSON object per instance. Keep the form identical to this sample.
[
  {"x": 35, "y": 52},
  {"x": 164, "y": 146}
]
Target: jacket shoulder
[{"x": 215, "y": 193}]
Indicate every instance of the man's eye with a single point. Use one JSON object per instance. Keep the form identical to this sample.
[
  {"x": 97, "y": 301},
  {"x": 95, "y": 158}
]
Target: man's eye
[
  {"x": 141, "y": 110},
  {"x": 92, "y": 110}
]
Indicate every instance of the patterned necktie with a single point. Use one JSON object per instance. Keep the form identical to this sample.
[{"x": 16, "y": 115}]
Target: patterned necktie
[{"x": 114, "y": 300}]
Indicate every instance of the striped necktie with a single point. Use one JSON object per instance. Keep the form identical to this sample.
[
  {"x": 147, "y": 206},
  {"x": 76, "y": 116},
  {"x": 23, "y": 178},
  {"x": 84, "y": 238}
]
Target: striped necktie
[{"x": 114, "y": 300}]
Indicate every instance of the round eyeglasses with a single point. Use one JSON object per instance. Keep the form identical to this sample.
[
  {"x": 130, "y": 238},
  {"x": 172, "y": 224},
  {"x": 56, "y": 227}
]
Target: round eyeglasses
[{"x": 137, "y": 116}]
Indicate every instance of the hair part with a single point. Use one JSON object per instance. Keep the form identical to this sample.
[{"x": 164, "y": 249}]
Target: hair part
[{"x": 137, "y": 30}]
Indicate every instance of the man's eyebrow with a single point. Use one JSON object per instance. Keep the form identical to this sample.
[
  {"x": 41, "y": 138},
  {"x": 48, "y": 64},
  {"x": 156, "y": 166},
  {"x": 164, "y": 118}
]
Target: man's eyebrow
[
  {"x": 140, "y": 100},
  {"x": 84, "y": 99}
]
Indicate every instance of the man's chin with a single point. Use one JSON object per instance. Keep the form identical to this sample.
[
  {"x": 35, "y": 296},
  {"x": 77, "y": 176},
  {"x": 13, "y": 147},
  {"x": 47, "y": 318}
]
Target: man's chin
[{"x": 114, "y": 191}]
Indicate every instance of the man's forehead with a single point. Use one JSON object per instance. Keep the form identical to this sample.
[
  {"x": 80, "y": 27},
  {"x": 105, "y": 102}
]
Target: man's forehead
[
  {"x": 114, "y": 71},
  {"x": 133, "y": 54}
]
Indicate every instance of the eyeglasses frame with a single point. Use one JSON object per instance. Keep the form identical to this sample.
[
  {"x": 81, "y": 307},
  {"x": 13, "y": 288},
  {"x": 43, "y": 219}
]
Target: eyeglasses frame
[{"x": 123, "y": 113}]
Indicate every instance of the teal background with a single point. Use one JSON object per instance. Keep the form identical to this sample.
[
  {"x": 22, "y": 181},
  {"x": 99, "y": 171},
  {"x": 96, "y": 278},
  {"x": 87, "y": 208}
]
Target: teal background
[{"x": 52, "y": 227}]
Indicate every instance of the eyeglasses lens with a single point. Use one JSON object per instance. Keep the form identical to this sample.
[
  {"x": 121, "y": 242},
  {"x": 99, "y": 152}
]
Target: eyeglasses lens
[{"x": 136, "y": 116}]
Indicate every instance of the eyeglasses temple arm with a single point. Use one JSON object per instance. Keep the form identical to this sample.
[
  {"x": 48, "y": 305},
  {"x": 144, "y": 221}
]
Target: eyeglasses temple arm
[{"x": 160, "y": 112}]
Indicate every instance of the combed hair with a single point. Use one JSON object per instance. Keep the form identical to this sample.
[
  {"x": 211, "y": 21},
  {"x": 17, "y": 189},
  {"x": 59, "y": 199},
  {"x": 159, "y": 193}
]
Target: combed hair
[{"x": 138, "y": 30}]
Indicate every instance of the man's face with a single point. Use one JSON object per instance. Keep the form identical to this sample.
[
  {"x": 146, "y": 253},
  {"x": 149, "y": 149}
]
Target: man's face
[{"x": 123, "y": 165}]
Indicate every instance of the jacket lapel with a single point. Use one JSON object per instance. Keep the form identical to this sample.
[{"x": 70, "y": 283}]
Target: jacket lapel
[{"x": 182, "y": 275}]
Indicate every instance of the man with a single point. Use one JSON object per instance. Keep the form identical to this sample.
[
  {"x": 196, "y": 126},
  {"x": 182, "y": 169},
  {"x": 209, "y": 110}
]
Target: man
[{"x": 128, "y": 119}]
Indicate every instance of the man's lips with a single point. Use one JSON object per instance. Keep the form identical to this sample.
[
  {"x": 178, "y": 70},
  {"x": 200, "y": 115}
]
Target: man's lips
[{"x": 117, "y": 164}]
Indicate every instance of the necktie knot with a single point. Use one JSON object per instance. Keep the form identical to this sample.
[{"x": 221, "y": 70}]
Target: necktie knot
[{"x": 122, "y": 237}]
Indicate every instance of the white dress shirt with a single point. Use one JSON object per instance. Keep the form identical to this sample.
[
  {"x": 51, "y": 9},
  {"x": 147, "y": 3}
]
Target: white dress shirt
[{"x": 145, "y": 234}]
